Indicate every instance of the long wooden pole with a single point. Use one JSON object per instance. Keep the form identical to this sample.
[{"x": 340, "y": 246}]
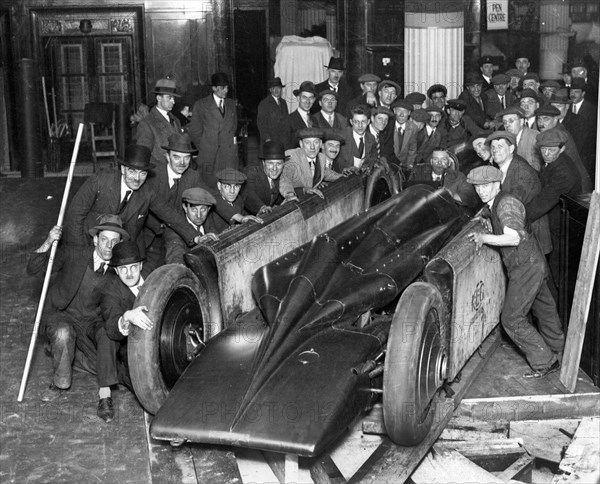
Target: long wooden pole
[
  {"x": 46, "y": 106},
  {"x": 40, "y": 309}
]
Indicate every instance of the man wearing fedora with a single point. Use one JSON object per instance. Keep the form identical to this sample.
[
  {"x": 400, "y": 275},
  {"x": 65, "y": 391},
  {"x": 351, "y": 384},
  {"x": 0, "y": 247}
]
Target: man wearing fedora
[
  {"x": 230, "y": 207},
  {"x": 335, "y": 83},
  {"x": 272, "y": 116},
  {"x": 513, "y": 119},
  {"x": 170, "y": 181},
  {"x": 305, "y": 169},
  {"x": 72, "y": 305},
  {"x": 123, "y": 192},
  {"x": 327, "y": 117},
  {"x": 116, "y": 302},
  {"x": 197, "y": 203},
  {"x": 262, "y": 185},
  {"x": 301, "y": 117},
  {"x": 154, "y": 129},
  {"x": 213, "y": 128}
]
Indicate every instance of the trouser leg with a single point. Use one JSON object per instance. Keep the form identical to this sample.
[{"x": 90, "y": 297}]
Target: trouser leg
[
  {"x": 62, "y": 336},
  {"x": 106, "y": 358},
  {"x": 549, "y": 324},
  {"x": 524, "y": 284}
]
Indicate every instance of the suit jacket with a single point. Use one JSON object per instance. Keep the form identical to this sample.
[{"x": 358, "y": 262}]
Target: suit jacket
[
  {"x": 426, "y": 145},
  {"x": 223, "y": 211},
  {"x": 296, "y": 172},
  {"x": 214, "y": 135},
  {"x": 362, "y": 99},
  {"x": 455, "y": 135},
  {"x": 492, "y": 102},
  {"x": 153, "y": 131},
  {"x": 339, "y": 122},
  {"x": 572, "y": 152},
  {"x": 175, "y": 246},
  {"x": 474, "y": 110},
  {"x": 101, "y": 194},
  {"x": 344, "y": 95},
  {"x": 259, "y": 190},
  {"x": 349, "y": 149},
  {"x": 528, "y": 150},
  {"x": 115, "y": 299},
  {"x": 272, "y": 120},
  {"x": 69, "y": 268},
  {"x": 454, "y": 181},
  {"x": 578, "y": 128},
  {"x": 588, "y": 111},
  {"x": 406, "y": 154},
  {"x": 295, "y": 122}
]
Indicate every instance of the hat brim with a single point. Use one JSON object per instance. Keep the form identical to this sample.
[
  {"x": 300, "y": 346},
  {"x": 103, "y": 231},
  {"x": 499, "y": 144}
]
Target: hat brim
[
  {"x": 163, "y": 91},
  {"x": 146, "y": 167},
  {"x": 298, "y": 91},
  {"x": 99, "y": 228},
  {"x": 126, "y": 261},
  {"x": 284, "y": 157},
  {"x": 190, "y": 151}
]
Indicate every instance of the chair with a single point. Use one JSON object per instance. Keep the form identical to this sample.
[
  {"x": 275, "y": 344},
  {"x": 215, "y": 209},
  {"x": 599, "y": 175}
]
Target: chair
[{"x": 101, "y": 118}]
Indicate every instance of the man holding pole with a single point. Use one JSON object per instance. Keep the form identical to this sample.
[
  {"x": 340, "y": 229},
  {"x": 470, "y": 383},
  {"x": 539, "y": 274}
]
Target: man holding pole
[{"x": 72, "y": 311}]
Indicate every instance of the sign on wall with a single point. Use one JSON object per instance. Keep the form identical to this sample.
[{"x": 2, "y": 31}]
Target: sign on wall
[{"x": 497, "y": 14}]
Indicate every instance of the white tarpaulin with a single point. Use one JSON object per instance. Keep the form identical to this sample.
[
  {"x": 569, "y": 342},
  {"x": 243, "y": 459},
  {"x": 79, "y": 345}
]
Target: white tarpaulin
[{"x": 301, "y": 59}]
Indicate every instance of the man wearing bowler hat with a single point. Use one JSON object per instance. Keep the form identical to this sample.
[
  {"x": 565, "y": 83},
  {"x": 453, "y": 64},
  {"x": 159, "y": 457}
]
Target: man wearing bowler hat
[
  {"x": 327, "y": 117},
  {"x": 472, "y": 97},
  {"x": 262, "y": 186},
  {"x": 124, "y": 192},
  {"x": 527, "y": 289},
  {"x": 305, "y": 169},
  {"x": 170, "y": 181},
  {"x": 154, "y": 129},
  {"x": 301, "y": 117},
  {"x": 333, "y": 140},
  {"x": 116, "y": 302},
  {"x": 197, "y": 203},
  {"x": 230, "y": 207},
  {"x": 335, "y": 82},
  {"x": 213, "y": 128},
  {"x": 72, "y": 306},
  {"x": 272, "y": 114}
]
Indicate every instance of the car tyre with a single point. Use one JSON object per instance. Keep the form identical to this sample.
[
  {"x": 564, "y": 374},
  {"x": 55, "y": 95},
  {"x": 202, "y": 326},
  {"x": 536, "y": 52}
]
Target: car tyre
[
  {"x": 179, "y": 306},
  {"x": 380, "y": 186},
  {"x": 415, "y": 364}
]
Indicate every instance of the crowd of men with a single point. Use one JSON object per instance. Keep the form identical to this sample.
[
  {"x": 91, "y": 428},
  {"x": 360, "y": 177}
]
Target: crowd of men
[{"x": 182, "y": 185}]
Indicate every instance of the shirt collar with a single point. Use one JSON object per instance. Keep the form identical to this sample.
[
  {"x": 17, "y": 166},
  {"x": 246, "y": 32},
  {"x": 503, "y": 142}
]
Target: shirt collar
[
  {"x": 373, "y": 131},
  {"x": 504, "y": 168},
  {"x": 124, "y": 188},
  {"x": 98, "y": 261},
  {"x": 164, "y": 113},
  {"x": 217, "y": 99},
  {"x": 171, "y": 174},
  {"x": 136, "y": 289},
  {"x": 403, "y": 126},
  {"x": 357, "y": 137}
]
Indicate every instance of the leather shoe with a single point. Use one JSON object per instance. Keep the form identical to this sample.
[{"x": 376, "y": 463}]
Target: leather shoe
[
  {"x": 543, "y": 372},
  {"x": 105, "y": 409},
  {"x": 52, "y": 393}
]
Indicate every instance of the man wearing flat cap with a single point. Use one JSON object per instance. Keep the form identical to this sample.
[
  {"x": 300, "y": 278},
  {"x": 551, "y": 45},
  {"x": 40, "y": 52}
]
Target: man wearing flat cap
[
  {"x": 457, "y": 128},
  {"x": 549, "y": 88},
  {"x": 116, "y": 302},
  {"x": 327, "y": 117},
  {"x": 380, "y": 118},
  {"x": 262, "y": 185},
  {"x": 230, "y": 207},
  {"x": 368, "y": 86},
  {"x": 522, "y": 63},
  {"x": 387, "y": 92},
  {"x": 471, "y": 95},
  {"x": 272, "y": 116},
  {"x": 499, "y": 97},
  {"x": 154, "y": 129},
  {"x": 486, "y": 68},
  {"x": 513, "y": 119},
  {"x": 124, "y": 192},
  {"x": 170, "y": 181},
  {"x": 197, "y": 203},
  {"x": 72, "y": 306},
  {"x": 213, "y": 128},
  {"x": 301, "y": 117},
  {"x": 559, "y": 176},
  {"x": 547, "y": 118},
  {"x": 335, "y": 82},
  {"x": 532, "y": 81},
  {"x": 305, "y": 169},
  {"x": 405, "y": 137},
  {"x": 359, "y": 151},
  {"x": 416, "y": 99},
  {"x": 429, "y": 137},
  {"x": 514, "y": 85},
  {"x": 527, "y": 289}
]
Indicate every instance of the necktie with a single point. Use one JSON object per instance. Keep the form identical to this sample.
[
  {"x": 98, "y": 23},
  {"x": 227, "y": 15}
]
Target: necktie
[
  {"x": 331, "y": 120},
  {"x": 172, "y": 198},
  {"x": 124, "y": 201},
  {"x": 378, "y": 145},
  {"x": 221, "y": 107},
  {"x": 312, "y": 167},
  {"x": 334, "y": 88},
  {"x": 277, "y": 101},
  {"x": 172, "y": 121},
  {"x": 503, "y": 103},
  {"x": 101, "y": 269},
  {"x": 574, "y": 108},
  {"x": 361, "y": 148}
]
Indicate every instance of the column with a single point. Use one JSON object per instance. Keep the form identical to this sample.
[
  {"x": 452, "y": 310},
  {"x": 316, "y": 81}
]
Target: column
[
  {"x": 433, "y": 46},
  {"x": 555, "y": 26}
]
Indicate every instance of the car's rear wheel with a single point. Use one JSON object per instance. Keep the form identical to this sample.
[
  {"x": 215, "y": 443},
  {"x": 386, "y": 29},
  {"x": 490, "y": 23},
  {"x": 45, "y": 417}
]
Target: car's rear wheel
[
  {"x": 381, "y": 185},
  {"x": 415, "y": 364},
  {"x": 181, "y": 311}
]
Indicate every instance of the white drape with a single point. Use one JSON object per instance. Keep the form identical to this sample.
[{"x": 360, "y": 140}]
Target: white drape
[{"x": 301, "y": 59}]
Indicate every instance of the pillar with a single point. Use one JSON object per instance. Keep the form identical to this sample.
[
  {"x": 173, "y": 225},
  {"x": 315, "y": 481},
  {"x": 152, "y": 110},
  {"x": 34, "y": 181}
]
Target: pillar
[
  {"x": 433, "y": 46},
  {"x": 555, "y": 25}
]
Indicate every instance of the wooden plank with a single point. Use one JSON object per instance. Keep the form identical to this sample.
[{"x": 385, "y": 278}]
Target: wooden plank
[
  {"x": 394, "y": 463},
  {"x": 545, "y": 439},
  {"x": 214, "y": 464},
  {"x": 581, "y": 462},
  {"x": 521, "y": 470},
  {"x": 582, "y": 296},
  {"x": 324, "y": 471},
  {"x": 252, "y": 467},
  {"x": 532, "y": 407},
  {"x": 492, "y": 456},
  {"x": 447, "y": 466}
]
